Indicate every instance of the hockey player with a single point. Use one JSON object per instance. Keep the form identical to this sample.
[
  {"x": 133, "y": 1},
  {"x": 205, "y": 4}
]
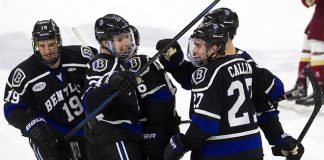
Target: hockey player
[
  {"x": 156, "y": 97},
  {"x": 224, "y": 124},
  {"x": 42, "y": 95},
  {"x": 115, "y": 133},
  {"x": 312, "y": 53}
]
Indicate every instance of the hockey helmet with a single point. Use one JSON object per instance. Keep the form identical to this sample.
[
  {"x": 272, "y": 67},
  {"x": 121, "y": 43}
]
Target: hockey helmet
[
  {"x": 226, "y": 17},
  {"x": 46, "y": 30},
  {"x": 204, "y": 37},
  {"x": 110, "y": 26}
]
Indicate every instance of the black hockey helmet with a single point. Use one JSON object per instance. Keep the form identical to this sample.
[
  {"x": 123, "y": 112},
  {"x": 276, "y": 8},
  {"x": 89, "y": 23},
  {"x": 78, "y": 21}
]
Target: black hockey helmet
[
  {"x": 210, "y": 34},
  {"x": 136, "y": 35},
  {"x": 226, "y": 17},
  {"x": 46, "y": 30},
  {"x": 109, "y": 26}
]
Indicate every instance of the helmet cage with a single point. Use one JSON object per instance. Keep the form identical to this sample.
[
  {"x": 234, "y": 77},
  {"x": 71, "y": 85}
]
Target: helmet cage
[
  {"x": 112, "y": 46},
  {"x": 46, "y": 30}
]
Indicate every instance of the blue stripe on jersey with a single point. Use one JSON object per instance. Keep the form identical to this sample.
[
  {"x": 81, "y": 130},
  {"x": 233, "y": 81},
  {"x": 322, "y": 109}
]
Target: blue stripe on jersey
[
  {"x": 59, "y": 127},
  {"x": 264, "y": 117},
  {"x": 134, "y": 127},
  {"x": 277, "y": 90},
  {"x": 122, "y": 151},
  {"x": 230, "y": 147},
  {"x": 210, "y": 126},
  {"x": 10, "y": 107},
  {"x": 163, "y": 94}
]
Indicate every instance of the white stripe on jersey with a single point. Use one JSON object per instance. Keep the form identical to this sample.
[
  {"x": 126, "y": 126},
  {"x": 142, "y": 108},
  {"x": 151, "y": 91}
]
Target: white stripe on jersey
[
  {"x": 120, "y": 154},
  {"x": 74, "y": 65},
  {"x": 268, "y": 90},
  {"x": 93, "y": 77},
  {"x": 234, "y": 135},
  {"x": 146, "y": 71},
  {"x": 172, "y": 89},
  {"x": 33, "y": 80},
  {"x": 209, "y": 114},
  {"x": 152, "y": 91},
  {"x": 122, "y": 142},
  {"x": 214, "y": 75}
]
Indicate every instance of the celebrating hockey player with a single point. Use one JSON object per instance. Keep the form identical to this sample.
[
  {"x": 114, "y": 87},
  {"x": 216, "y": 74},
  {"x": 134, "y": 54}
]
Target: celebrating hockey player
[
  {"x": 115, "y": 133},
  {"x": 156, "y": 97},
  {"x": 224, "y": 124},
  {"x": 42, "y": 95}
]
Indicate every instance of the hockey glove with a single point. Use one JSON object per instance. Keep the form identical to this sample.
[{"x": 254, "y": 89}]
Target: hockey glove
[
  {"x": 289, "y": 147},
  {"x": 152, "y": 144},
  {"x": 40, "y": 134},
  {"x": 176, "y": 148},
  {"x": 173, "y": 57},
  {"x": 124, "y": 81}
]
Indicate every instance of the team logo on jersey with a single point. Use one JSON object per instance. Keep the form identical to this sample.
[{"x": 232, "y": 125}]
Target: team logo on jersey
[
  {"x": 18, "y": 77},
  {"x": 99, "y": 65},
  {"x": 199, "y": 75},
  {"x": 86, "y": 52},
  {"x": 39, "y": 86},
  {"x": 134, "y": 64}
]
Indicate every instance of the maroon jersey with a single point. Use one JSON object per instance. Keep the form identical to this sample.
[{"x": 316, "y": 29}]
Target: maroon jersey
[{"x": 315, "y": 28}]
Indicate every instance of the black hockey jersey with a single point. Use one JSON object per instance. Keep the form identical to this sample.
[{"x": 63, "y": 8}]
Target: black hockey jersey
[
  {"x": 34, "y": 91},
  {"x": 122, "y": 109},
  {"x": 224, "y": 123},
  {"x": 156, "y": 93}
]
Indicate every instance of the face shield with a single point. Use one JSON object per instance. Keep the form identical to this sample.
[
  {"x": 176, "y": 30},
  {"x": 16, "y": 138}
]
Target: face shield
[
  {"x": 47, "y": 51},
  {"x": 197, "y": 52},
  {"x": 122, "y": 45}
]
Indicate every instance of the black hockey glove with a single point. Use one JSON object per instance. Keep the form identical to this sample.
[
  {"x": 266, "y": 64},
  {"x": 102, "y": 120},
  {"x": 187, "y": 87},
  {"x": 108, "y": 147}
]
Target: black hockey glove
[
  {"x": 176, "y": 148},
  {"x": 40, "y": 134},
  {"x": 289, "y": 147},
  {"x": 152, "y": 143},
  {"x": 173, "y": 56},
  {"x": 124, "y": 81}
]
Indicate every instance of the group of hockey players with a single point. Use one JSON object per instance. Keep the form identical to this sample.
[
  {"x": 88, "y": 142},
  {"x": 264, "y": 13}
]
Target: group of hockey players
[{"x": 53, "y": 90}]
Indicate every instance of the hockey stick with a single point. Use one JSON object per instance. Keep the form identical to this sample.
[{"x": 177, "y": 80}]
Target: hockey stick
[
  {"x": 318, "y": 103},
  {"x": 154, "y": 58},
  {"x": 79, "y": 36}
]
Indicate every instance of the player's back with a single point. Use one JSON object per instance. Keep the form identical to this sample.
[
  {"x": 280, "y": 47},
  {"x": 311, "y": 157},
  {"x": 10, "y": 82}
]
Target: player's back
[{"x": 222, "y": 93}]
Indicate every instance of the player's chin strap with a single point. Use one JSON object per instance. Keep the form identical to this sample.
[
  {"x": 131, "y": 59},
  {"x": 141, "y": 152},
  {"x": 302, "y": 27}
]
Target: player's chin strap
[{"x": 214, "y": 54}]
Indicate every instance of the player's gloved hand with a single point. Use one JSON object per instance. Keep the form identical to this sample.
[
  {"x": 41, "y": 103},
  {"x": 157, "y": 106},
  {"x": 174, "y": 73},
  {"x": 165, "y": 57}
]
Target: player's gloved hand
[
  {"x": 308, "y": 3},
  {"x": 176, "y": 148},
  {"x": 40, "y": 134},
  {"x": 124, "y": 81},
  {"x": 152, "y": 144},
  {"x": 173, "y": 56},
  {"x": 289, "y": 147}
]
